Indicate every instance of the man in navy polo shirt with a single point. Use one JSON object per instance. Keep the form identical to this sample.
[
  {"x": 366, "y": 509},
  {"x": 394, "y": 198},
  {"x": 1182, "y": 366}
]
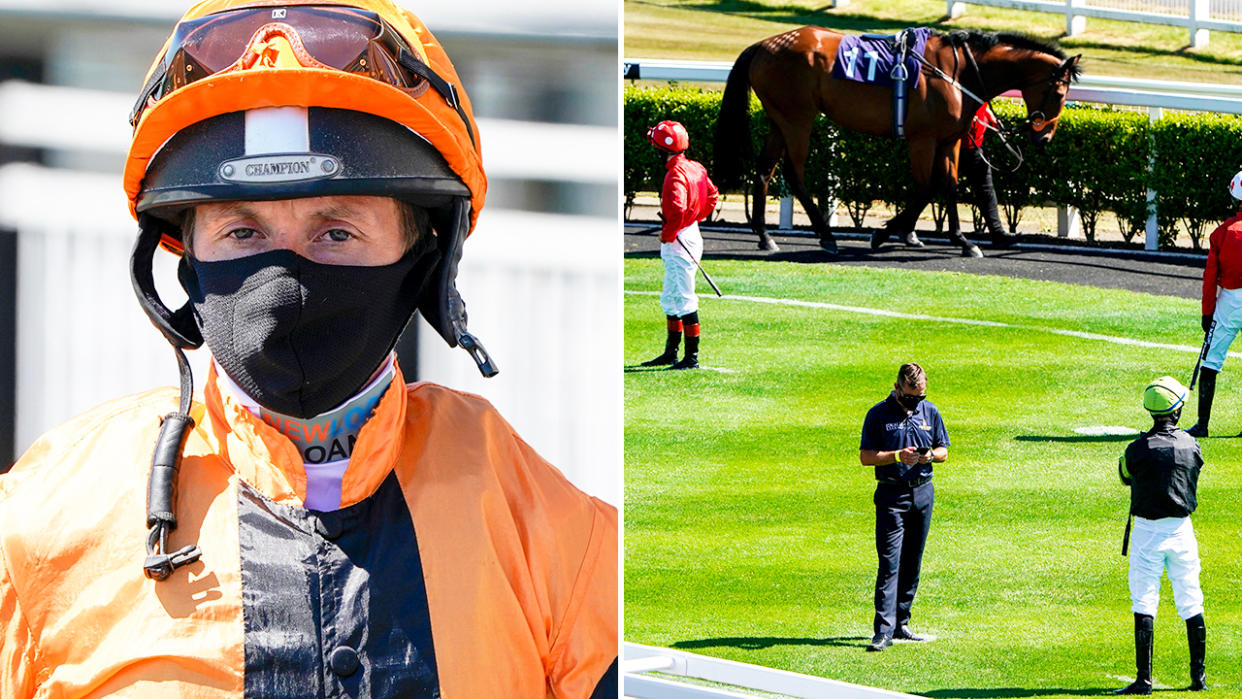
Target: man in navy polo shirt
[{"x": 902, "y": 436}]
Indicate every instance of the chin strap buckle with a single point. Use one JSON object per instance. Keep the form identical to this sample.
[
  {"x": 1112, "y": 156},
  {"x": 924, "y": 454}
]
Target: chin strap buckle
[
  {"x": 471, "y": 344},
  {"x": 158, "y": 565},
  {"x": 161, "y": 565}
]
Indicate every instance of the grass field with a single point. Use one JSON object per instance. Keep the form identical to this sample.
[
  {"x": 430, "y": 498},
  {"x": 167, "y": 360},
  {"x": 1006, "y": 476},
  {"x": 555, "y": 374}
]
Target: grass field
[
  {"x": 719, "y": 30},
  {"x": 749, "y": 523}
]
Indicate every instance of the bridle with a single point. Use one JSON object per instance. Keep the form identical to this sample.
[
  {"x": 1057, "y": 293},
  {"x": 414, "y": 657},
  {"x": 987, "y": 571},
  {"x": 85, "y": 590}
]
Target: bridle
[
  {"x": 1036, "y": 119},
  {"x": 1059, "y": 76}
]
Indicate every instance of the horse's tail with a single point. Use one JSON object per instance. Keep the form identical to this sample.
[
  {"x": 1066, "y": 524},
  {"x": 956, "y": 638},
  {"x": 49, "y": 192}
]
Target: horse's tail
[{"x": 733, "y": 149}]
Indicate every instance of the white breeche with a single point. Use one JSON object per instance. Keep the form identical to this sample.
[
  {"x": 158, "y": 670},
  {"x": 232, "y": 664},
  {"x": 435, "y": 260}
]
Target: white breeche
[
  {"x": 1228, "y": 319},
  {"x": 1159, "y": 545},
  {"x": 678, "y": 297}
]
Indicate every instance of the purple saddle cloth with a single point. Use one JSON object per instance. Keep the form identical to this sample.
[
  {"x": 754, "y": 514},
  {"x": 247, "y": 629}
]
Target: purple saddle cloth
[{"x": 871, "y": 59}]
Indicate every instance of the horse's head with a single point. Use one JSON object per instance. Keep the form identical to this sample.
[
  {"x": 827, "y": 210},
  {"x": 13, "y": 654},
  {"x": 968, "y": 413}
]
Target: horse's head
[{"x": 1044, "y": 94}]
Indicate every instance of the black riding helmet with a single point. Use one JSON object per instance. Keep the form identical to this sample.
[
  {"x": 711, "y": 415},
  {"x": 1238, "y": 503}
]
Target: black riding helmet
[
  {"x": 251, "y": 100},
  {"x": 346, "y": 153}
]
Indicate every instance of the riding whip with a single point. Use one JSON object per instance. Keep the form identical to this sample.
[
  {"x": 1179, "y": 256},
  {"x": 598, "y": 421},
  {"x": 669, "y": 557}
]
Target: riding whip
[
  {"x": 1207, "y": 341},
  {"x": 696, "y": 264},
  {"x": 1125, "y": 541}
]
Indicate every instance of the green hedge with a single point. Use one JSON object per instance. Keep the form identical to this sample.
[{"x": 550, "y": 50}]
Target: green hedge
[{"x": 1097, "y": 162}]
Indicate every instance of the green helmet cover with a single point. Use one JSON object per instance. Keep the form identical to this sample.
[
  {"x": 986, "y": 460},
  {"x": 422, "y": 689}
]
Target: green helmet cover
[{"x": 1164, "y": 395}]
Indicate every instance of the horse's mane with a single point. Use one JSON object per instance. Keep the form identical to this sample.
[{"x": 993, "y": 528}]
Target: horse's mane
[{"x": 982, "y": 41}]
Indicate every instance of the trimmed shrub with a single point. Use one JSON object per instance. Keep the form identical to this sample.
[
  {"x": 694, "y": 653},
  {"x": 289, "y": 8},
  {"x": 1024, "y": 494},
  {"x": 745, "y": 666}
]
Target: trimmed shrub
[
  {"x": 1098, "y": 161},
  {"x": 1195, "y": 155}
]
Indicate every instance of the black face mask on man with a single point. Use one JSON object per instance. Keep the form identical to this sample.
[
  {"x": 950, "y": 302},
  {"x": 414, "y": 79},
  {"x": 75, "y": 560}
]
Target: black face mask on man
[
  {"x": 301, "y": 337},
  {"x": 909, "y": 401}
]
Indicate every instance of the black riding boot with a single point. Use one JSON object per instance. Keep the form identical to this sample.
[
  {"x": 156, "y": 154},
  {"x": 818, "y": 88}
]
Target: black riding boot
[
  {"x": 979, "y": 174},
  {"x": 691, "y": 360},
  {"x": 670, "y": 345},
  {"x": 1196, "y": 637},
  {"x": 1207, "y": 391},
  {"x": 1143, "y": 630}
]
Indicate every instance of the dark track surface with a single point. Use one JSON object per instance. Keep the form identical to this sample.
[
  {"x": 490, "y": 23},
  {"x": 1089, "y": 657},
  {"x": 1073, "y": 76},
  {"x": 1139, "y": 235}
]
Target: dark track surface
[{"x": 1173, "y": 275}]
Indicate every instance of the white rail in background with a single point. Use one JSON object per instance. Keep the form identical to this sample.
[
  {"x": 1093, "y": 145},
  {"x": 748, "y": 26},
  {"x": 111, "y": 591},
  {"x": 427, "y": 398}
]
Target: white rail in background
[
  {"x": 47, "y": 116},
  {"x": 1195, "y": 15},
  {"x": 526, "y": 295},
  {"x": 1155, "y": 95},
  {"x": 1163, "y": 94}
]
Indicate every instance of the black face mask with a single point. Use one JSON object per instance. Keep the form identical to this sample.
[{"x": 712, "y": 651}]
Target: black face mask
[
  {"x": 298, "y": 336},
  {"x": 909, "y": 402}
]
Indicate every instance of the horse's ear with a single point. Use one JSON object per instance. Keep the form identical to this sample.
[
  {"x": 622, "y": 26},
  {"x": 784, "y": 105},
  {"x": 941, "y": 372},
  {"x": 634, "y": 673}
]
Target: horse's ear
[{"x": 1070, "y": 68}]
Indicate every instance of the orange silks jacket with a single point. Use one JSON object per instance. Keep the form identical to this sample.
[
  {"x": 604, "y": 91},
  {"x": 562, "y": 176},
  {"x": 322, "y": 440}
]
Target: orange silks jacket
[{"x": 460, "y": 563}]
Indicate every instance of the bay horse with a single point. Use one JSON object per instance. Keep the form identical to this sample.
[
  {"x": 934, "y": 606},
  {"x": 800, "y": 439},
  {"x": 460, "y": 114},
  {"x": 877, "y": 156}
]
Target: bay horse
[{"x": 792, "y": 75}]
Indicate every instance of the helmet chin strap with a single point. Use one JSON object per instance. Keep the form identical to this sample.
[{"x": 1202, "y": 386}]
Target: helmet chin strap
[
  {"x": 179, "y": 329},
  {"x": 446, "y": 311},
  {"x": 162, "y": 484}
]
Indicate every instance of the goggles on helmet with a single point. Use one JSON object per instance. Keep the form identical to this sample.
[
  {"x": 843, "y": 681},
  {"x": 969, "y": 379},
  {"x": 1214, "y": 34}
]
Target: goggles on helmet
[{"x": 329, "y": 37}]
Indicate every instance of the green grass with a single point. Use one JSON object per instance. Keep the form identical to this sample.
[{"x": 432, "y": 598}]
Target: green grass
[
  {"x": 749, "y": 523},
  {"x": 718, "y": 31}
]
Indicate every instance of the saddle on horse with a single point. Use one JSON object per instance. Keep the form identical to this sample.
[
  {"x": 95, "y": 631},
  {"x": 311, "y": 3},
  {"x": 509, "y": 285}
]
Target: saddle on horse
[{"x": 885, "y": 60}]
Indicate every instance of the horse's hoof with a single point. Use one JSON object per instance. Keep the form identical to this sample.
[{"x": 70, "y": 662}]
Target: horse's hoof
[
  {"x": 878, "y": 237},
  {"x": 829, "y": 244},
  {"x": 768, "y": 244},
  {"x": 913, "y": 241},
  {"x": 1004, "y": 240},
  {"x": 972, "y": 251}
]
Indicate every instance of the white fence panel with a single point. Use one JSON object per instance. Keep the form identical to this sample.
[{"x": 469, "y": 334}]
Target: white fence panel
[
  {"x": 543, "y": 292},
  {"x": 1198, "y": 16}
]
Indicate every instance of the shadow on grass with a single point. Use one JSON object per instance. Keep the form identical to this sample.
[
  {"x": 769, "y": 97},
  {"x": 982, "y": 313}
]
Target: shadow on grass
[
  {"x": 757, "y": 642},
  {"x": 1070, "y": 44},
  {"x": 967, "y": 693},
  {"x": 638, "y": 368},
  {"x": 1195, "y": 266},
  {"x": 1078, "y": 438}
]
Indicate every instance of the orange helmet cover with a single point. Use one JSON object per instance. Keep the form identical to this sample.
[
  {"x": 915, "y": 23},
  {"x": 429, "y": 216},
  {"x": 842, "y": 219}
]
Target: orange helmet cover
[{"x": 238, "y": 90}]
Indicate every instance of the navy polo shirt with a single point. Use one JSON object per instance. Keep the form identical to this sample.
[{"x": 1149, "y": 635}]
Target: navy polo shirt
[{"x": 888, "y": 427}]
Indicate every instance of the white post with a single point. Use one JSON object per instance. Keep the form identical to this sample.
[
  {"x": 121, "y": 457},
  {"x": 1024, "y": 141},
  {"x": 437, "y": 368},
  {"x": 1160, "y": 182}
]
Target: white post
[
  {"x": 840, "y": 3},
  {"x": 1152, "y": 242},
  {"x": 1069, "y": 223},
  {"x": 786, "y": 213},
  {"x": 1074, "y": 24},
  {"x": 1200, "y": 11},
  {"x": 955, "y": 9}
]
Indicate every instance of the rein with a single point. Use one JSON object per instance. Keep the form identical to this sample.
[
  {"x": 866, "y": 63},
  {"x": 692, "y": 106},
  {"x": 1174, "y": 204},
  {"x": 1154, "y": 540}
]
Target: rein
[
  {"x": 1003, "y": 133},
  {"x": 1036, "y": 120},
  {"x": 949, "y": 79}
]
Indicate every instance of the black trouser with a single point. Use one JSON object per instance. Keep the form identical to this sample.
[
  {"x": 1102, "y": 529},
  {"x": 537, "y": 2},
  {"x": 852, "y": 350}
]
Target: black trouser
[
  {"x": 902, "y": 520},
  {"x": 979, "y": 175}
]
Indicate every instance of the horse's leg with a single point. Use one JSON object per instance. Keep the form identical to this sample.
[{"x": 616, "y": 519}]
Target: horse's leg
[
  {"x": 773, "y": 147},
  {"x": 798, "y": 144},
  {"x": 947, "y": 176},
  {"x": 921, "y": 154}
]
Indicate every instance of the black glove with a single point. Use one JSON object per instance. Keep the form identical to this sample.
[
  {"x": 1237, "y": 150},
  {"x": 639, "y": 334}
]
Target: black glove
[{"x": 1207, "y": 323}]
